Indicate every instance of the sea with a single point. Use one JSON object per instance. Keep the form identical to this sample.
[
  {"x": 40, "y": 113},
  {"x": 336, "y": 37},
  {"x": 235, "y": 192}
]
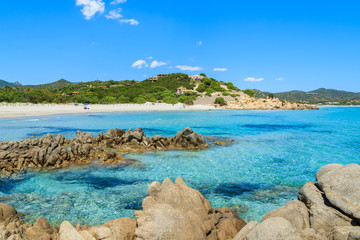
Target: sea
[{"x": 274, "y": 153}]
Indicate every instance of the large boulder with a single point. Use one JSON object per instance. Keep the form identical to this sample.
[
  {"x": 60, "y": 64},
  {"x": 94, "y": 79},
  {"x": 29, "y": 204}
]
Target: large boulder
[
  {"x": 6, "y": 211},
  {"x": 274, "y": 228},
  {"x": 295, "y": 212},
  {"x": 341, "y": 186},
  {"x": 323, "y": 218},
  {"x": 176, "y": 211}
]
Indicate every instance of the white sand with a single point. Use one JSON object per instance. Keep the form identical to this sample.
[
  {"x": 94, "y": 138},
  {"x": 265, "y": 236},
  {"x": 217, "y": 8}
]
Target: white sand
[{"x": 8, "y": 110}]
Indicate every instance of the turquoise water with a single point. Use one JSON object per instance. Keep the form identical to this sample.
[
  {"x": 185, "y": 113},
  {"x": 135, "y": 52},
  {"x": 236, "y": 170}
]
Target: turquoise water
[{"x": 274, "y": 154}]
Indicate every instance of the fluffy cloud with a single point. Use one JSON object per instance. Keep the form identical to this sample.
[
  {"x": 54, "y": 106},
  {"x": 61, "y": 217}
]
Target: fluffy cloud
[
  {"x": 155, "y": 64},
  {"x": 280, "y": 79},
  {"x": 118, "y": 1},
  {"x": 251, "y": 79},
  {"x": 199, "y": 43},
  {"x": 139, "y": 64},
  {"x": 220, "y": 69},
  {"x": 130, "y": 21},
  {"x": 114, "y": 14},
  {"x": 188, "y": 68},
  {"x": 91, "y": 7}
]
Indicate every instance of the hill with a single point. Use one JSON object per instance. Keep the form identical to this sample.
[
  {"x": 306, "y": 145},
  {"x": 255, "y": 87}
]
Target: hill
[
  {"x": 54, "y": 85},
  {"x": 318, "y": 96},
  {"x": 10, "y": 84}
]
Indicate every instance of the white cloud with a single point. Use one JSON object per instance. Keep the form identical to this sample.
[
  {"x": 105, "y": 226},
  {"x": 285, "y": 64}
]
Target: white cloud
[
  {"x": 251, "y": 79},
  {"x": 114, "y": 14},
  {"x": 220, "y": 69},
  {"x": 155, "y": 64},
  {"x": 91, "y": 7},
  {"x": 171, "y": 67},
  {"x": 188, "y": 68},
  {"x": 118, "y": 1},
  {"x": 199, "y": 43},
  {"x": 130, "y": 21},
  {"x": 150, "y": 57},
  {"x": 139, "y": 64},
  {"x": 280, "y": 79}
]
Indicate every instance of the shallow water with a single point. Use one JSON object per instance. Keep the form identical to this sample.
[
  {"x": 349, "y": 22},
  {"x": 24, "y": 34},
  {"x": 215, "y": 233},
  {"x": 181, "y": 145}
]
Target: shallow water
[{"x": 274, "y": 154}]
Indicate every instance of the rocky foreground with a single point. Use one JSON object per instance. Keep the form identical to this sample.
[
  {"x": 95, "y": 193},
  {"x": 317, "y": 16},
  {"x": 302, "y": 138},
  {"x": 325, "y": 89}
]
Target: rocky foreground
[
  {"x": 49, "y": 152},
  {"x": 328, "y": 209}
]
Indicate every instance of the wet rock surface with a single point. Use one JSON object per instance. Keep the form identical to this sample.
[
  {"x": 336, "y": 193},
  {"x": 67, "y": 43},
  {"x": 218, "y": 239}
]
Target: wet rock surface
[{"x": 49, "y": 152}]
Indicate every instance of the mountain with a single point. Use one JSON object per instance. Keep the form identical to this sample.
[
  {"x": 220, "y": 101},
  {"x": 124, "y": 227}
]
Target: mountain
[
  {"x": 321, "y": 95},
  {"x": 5, "y": 83},
  {"x": 58, "y": 84}
]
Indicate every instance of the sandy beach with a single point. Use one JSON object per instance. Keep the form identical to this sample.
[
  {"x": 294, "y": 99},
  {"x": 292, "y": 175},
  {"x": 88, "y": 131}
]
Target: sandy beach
[{"x": 10, "y": 110}]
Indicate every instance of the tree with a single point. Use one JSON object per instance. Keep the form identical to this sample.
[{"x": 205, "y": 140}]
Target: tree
[
  {"x": 170, "y": 100},
  {"x": 201, "y": 88},
  {"x": 271, "y": 95},
  {"x": 249, "y": 92},
  {"x": 220, "y": 101},
  {"x": 203, "y": 74}
]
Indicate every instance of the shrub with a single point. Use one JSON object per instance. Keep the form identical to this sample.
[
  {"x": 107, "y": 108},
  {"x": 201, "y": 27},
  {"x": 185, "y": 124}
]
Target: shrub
[
  {"x": 249, "y": 92},
  {"x": 271, "y": 95},
  {"x": 220, "y": 101},
  {"x": 201, "y": 88}
]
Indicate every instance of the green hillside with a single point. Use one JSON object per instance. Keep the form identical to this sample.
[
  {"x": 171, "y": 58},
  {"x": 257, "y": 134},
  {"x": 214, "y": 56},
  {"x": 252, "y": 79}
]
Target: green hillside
[
  {"x": 10, "y": 84},
  {"x": 319, "y": 96},
  {"x": 54, "y": 85}
]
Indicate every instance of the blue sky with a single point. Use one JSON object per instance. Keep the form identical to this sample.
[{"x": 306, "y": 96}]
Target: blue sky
[{"x": 268, "y": 45}]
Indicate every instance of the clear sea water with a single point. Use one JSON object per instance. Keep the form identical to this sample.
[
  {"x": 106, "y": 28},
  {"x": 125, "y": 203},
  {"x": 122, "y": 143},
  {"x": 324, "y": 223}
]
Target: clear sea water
[{"x": 274, "y": 154}]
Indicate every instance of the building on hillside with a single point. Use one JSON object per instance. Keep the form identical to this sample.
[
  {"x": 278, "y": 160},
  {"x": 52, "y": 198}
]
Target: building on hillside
[
  {"x": 182, "y": 90},
  {"x": 154, "y": 79},
  {"x": 196, "y": 77},
  {"x": 74, "y": 93}
]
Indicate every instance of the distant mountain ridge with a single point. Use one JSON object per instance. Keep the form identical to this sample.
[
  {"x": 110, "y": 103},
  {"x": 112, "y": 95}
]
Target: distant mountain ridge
[
  {"x": 321, "y": 95},
  {"x": 58, "y": 84},
  {"x": 4, "y": 83}
]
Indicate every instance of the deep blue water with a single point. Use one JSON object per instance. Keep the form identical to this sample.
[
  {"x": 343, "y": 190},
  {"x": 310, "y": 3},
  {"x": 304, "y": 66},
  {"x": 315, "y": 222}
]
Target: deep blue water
[{"x": 274, "y": 154}]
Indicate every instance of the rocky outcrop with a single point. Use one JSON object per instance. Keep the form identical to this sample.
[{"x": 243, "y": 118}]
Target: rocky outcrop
[
  {"x": 325, "y": 210},
  {"x": 171, "y": 211},
  {"x": 50, "y": 152},
  {"x": 176, "y": 211},
  {"x": 250, "y": 103}
]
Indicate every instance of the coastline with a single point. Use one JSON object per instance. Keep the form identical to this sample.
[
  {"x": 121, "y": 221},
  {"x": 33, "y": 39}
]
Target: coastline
[{"x": 19, "y": 110}]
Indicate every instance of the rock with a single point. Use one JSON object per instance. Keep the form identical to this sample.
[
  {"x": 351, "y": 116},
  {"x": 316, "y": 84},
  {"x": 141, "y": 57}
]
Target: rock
[
  {"x": 229, "y": 223},
  {"x": 68, "y": 232},
  {"x": 341, "y": 186},
  {"x": 118, "y": 229},
  {"x": 6, "y": 211},
  {"x": 189, "y": 139},
  {"x": 241, "y": 235},
  {"x": 343, "y": 233},
  {"x": 323, "y": 218},
  {"x": 310, "y": 234},
  {"x": 295, "y": 212},
  {"x": 274, "y": 228},
  {"x": 176, "y": 211}
]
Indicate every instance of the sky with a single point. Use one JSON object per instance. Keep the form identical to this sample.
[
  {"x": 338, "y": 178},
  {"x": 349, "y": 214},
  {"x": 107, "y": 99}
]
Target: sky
[{"x": 268, "y": 45}]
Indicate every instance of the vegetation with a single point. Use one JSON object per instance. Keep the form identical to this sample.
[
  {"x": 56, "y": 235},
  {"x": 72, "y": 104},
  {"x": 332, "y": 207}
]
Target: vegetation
[
  {"x": 249, "y": 92},
  {"x": 10, "y": 84},
  {"x": 110, "y": 91},
  {"x": 220, "y": 101}
]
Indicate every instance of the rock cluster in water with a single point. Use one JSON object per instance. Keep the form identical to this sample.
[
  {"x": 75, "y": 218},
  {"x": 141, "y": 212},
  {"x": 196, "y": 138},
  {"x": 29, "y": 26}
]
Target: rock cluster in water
[
  {"x": 50, "y": 152},
  {"x": 328, "y": 209}
]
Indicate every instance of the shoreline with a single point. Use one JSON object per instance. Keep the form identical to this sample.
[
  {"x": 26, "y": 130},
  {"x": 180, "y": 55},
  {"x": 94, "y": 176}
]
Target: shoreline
[{"x": 22, "y": 110}]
